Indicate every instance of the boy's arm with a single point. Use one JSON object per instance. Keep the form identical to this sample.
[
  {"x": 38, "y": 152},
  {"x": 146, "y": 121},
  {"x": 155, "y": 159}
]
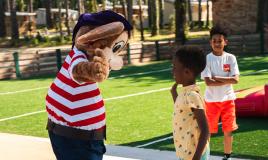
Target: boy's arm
[
  {"x": 212, "y": 82},
  {"x": 174, "y": 92},
  {"x": 227, "y": 80},
  {"x": 204, "y": 135}
]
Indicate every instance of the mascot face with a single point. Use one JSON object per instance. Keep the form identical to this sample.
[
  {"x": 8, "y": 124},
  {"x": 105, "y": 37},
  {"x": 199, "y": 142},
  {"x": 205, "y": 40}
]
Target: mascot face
[{"x": 111, "y": 38}]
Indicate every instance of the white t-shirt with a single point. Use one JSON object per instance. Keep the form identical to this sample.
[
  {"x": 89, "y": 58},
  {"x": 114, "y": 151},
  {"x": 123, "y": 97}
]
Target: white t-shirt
[{"x": 224, "y": 66}]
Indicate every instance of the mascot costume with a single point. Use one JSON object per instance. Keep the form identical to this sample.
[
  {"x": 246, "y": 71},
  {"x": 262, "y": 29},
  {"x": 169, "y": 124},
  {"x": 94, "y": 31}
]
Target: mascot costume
[{"x": 76, "y": 113}]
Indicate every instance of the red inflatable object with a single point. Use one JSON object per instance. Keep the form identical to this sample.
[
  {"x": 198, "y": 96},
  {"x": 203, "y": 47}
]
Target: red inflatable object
[{"x": 254, "y": 103}]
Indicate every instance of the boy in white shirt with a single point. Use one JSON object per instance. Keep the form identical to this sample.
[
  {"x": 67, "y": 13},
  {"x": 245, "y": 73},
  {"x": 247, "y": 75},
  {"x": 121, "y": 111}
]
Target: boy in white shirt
[{"x": 220, "y": 73}]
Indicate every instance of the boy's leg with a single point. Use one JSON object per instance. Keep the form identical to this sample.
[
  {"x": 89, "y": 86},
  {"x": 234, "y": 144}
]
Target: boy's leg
[
  {"x": 228, "y": 125},
  {"x": 72, "y": 149},
  {"x": 213, "y": 115},
  {"x": 228, "y": 141}
]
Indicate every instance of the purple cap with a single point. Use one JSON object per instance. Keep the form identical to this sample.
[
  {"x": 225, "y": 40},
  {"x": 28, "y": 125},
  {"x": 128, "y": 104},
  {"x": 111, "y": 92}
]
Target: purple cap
[{"x": 99, "y": 19}]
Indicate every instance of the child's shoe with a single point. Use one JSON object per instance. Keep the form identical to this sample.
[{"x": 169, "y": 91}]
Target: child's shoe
[{"x": 226, "y": 157}]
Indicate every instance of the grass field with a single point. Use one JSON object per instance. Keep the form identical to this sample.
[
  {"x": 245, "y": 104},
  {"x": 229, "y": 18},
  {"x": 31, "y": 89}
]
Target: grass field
[{"x": 136, "y": 119}]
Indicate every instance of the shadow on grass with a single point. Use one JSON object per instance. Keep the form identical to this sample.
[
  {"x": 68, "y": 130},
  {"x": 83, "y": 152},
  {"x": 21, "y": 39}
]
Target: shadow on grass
[{"x": 245, "y": 125}]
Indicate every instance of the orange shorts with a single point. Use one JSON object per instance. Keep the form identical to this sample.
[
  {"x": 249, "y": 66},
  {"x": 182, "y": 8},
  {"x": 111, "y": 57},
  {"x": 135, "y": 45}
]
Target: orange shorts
[{"x": 225, "y": 110}]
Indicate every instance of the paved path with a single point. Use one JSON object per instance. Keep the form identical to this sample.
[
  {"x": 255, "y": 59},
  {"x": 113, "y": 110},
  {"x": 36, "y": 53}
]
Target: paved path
[{"x": 17, "y": 147}]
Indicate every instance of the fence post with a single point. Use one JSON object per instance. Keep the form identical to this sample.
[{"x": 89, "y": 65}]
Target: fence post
[
  {"x": 58, "y": 54},
  {"x": 262, "y": 39},
  {"x": 157, "y": 50},
  {"x": 128, "y": 54},
  {"x": 17, "y": 65}
]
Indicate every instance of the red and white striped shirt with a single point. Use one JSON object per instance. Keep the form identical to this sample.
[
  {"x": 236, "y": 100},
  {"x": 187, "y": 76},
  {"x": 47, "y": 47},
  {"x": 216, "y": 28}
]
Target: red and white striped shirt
[{"x": 74, "y": 104}]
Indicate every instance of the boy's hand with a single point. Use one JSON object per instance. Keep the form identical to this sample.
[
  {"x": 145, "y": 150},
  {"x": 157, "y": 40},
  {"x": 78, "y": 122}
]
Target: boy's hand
[
  {"x": 173, "y": 91},
  {"x": 174, "y": 87}
]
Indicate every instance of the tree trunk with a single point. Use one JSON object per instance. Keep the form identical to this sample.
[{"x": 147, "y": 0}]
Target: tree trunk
[
  {"x": 48, "y": 14},
  {"x": 14, "y": 22},
  {"x": 2, "y": 19},
  {"x": 81, "y": 7},
  {"x": 7, "y": 5},
  {"x": 67, "y": 17},
  {"x": 92, "y": 6},
  {"x": 155, "y": 18},
  {"x": 123, "y": 4},
  {"x": 149, "y": 14},
  {"x": 30, "y": 6},
  {"x": 180, "y": 12},
  {"x": 113, "y": 1},
  {"x": 129, "y": 14},
  {"x": 20, "y": 5},
  {"x": 199, "y": 14},
  {"x": 207, "y": 24},
  {"x": 141, "y": 21},
  {"x": 161, "y": 11},
  {"x": 103, "y": 4},
  {"x": 190, "y": 14},
  {"x": 60, "y": 21}
]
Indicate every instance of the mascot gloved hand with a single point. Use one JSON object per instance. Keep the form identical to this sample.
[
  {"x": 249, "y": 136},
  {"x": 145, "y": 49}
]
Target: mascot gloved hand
[{"x": 76, "y": 113}]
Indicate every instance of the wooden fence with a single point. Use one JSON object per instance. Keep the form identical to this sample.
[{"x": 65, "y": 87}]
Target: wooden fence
[{"x": 20, "y": 65}]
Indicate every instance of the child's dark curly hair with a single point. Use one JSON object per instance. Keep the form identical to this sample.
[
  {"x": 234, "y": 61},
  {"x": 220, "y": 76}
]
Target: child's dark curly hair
[
  {"x": 217, "y": 29},
  {"x": 191, "y": 57}
]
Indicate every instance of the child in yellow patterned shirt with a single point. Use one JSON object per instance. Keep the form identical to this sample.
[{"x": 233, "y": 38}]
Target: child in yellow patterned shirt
[{"x": 190, "y": 127}]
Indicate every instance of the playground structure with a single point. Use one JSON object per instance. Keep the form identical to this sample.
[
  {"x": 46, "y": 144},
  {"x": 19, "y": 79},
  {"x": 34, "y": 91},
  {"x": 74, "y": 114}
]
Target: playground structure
[{"x": 252, "y": 102}]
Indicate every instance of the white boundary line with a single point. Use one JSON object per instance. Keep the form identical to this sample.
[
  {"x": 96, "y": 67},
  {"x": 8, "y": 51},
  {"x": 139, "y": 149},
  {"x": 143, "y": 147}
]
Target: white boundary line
[
  {"x": 256, "y": 72},
  {"x": 21, "y": 91},
  {"x": 107, "y": 99},
  {"x": 22, "y": 115},
  {"x": 121, "y": 76},
  {"x": 160, "y": 140},
  {"x": 140, "y": 73},
  {"x": 153, "y": 142}
]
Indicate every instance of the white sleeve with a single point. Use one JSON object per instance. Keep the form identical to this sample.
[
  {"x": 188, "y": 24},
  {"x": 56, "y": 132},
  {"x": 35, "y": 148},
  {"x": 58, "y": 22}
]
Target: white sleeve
[
  {"x": 234, "y": 67},
  {"x": 206, "y": 72},
  {"x": 72, "y": 65}
]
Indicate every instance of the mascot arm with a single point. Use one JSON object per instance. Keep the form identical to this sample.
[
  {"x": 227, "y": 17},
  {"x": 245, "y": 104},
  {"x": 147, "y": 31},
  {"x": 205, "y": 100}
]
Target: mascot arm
[{"x": 96, "y": 70}]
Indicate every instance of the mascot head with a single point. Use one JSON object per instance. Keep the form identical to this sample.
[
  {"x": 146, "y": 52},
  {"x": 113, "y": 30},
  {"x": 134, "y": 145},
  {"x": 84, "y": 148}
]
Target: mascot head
[{"x": 105, "y": 30}]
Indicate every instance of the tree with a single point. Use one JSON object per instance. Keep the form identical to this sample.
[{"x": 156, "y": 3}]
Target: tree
[
  {"x": 48, "y": 14},
  {"x": 180, "y": 14},
  {"x": 199, "y": 14},
  {"x": 7, "y": 5},
  {"x": 113, "y": 1},
  {"x": 155, "y": 18},
  {"x": 161, "y": 15},
  {"x": 123, "y": 4},
  {"x": 190, "y": 14},
  {"x": 92, "y": 6},
  {"x": 2, "y": 19},
  {"x": 20, "y": 5},
  {"x": 14, "y": 22},
  {"x": 130, "y": 13},
  {"x": 30, "y": 6},
  {"x": 207, "y": 24},
  {"x": 149, "y": 13},
  {"x": 59, "y": 21},
  {"x": 103, "y": 2},
  {"x": 81, "y": 7},
  {"x": 67, "y": 17},
  {"x": 141, "y": 21}
]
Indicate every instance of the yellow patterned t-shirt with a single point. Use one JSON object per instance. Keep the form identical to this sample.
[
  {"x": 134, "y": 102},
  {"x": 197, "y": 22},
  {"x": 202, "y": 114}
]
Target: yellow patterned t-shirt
[{"x": 185, "y": 128}]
